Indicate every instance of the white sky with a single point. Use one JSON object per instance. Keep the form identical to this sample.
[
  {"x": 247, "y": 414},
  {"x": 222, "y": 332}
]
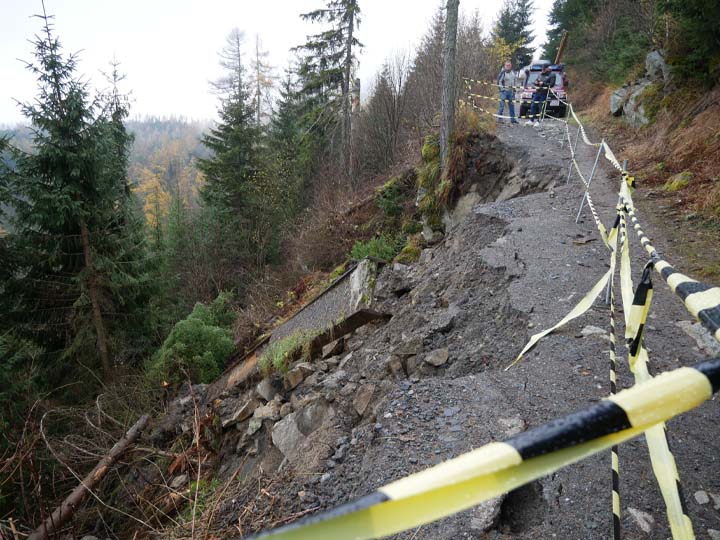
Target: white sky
[{"x": 168, "y": 48}]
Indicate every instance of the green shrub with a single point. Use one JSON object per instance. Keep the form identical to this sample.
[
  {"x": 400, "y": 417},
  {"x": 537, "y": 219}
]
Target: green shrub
[
  {"x": 383, "y": 247},
  {"x": 411, "y": 227},
  {"x": 198, "y": 345},
  {"x": 203, "y": 490},
  {"x": 389, "y": 197},
  {"x": 278, "y": 355},
  {"x": 428, "y": 181},
  {"x": 431, "y": 149}
]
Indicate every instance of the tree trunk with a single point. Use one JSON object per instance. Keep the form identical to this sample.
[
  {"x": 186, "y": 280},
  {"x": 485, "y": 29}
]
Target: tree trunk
[
  {"x": 95, "y": 301},
  {"x": 448, "y": 90},
  {"x": 346, "y": 143},
  {"x": 257, "y": 79},
  {"x": 72, "y": 502}
]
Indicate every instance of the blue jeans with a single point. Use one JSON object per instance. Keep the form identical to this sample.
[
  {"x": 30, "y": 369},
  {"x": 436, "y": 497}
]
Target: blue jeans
[
  {"x": 507, "y": 95},
  {"x": 537, "y": 102}
]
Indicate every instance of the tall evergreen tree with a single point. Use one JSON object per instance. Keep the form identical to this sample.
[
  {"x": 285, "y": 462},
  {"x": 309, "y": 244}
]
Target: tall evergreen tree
[
  {"x": 326, "y": 69},
  {"x": 233, "y": 140},
  {"x": 513, "y": 25},
  {"x": 77, "y": 249}
]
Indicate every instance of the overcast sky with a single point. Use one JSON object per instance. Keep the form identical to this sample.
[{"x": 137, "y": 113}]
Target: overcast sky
[{"x": 168, "y": 48}]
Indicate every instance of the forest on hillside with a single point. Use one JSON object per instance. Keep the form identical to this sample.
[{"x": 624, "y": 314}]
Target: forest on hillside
[{"x": 138, "y": 255}]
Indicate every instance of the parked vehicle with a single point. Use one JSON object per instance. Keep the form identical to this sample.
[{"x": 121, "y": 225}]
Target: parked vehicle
[{"x": 555, "y": 105}]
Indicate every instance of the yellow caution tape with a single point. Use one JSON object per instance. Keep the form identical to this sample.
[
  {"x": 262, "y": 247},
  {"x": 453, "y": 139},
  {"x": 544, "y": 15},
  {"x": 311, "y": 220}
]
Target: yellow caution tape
[
  {"x": 661, "y": 458},
  {"x": 582, "y": 128},
  {"x": 499, "y": 467},
  {"x": 700, "y": 299},
  {"x": 582, "y": 306}
]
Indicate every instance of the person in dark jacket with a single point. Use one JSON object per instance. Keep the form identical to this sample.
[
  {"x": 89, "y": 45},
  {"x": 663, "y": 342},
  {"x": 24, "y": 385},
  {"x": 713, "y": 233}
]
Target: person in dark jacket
[{"x": 545, "y": 81}]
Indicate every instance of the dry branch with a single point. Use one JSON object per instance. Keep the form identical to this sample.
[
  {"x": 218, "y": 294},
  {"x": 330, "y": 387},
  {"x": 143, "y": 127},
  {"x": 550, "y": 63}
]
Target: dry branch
[{"x": 72, "y": 502}]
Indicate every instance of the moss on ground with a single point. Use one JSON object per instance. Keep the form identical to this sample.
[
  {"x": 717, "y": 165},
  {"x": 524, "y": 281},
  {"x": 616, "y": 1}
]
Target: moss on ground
[
  {"x": 678, "y": 182},
  {"x": 411, "y": 251}
]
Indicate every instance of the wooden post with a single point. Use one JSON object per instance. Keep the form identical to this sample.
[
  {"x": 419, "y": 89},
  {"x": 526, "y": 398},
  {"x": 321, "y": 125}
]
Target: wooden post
[
  {"x": 561, "y": 47},
  {"x": 448, "y": 89},
  {"x": 72, "y": 502}
]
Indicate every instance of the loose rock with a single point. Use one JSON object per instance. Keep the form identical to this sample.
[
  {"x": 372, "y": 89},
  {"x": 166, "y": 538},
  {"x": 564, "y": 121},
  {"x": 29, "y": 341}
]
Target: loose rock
[
  {"x": 701, "y": 497},
  {"x": 437, "y": 357},
  {"x": 362, "y": 398},
  {"x": 179, "y": 481},
  {"x": 242, "y": 414},
  {"x": 266, "y": 389},
  {"x": 271, "y": 411},
  {"x": 286, "y": 436},
  {"x": 254, "y": 426},
  {"x": 293, "y": 378},
  {"x": 333, "y": 349}
]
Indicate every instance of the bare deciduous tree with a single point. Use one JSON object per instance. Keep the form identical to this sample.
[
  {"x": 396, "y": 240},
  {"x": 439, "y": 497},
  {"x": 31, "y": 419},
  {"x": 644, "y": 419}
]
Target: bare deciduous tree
[{"x": 382, "y": 119}]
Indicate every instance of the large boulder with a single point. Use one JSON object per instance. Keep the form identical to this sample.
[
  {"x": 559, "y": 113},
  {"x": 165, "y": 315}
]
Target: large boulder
[
  {"x": 628, "y": 100},
  {"x": 617, "y": 100},
  {"x": 656, "y": 69},
  {"x": 286, "y": 436},
  {"x": 312, "y": 417},
  {"x": 634, "y": 109}
]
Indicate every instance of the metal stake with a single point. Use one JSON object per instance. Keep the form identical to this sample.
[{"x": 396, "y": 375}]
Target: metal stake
[
  {"x": 570, "y": 168},
  {"x": 592, "y": 173}
]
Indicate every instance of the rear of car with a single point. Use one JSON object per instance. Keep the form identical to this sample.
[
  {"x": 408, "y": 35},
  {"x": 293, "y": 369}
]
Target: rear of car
[{"x": 556, "y": 98}]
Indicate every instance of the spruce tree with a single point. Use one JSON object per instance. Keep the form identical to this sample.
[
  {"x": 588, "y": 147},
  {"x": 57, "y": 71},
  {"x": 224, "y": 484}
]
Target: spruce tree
[
  {"x": 78, "y": 251},
  {"x": 513, "y": 25},
  {"x": 233, "y": 139},
  {"x": 231, "y": 211},
  {"x": 326, "y": 70}
]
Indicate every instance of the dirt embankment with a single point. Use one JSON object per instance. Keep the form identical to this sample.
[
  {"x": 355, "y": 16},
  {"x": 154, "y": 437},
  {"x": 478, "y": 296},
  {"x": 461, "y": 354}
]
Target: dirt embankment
[{"x": 428, "y": 385}]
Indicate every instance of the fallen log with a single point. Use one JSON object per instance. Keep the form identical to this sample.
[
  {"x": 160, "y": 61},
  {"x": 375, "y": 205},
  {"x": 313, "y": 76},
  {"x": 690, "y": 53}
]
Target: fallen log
[{"x": 72, "y": 502}]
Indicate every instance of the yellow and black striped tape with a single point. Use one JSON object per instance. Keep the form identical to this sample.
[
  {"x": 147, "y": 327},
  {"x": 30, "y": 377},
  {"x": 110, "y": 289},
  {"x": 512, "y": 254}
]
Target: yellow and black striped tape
[
  {"x": 500, "y": 99},
  {"x": 499, "y": 467},
  {"x": 663, "y": 462},
  {"x": 494, "y": 113},
  {"x": 585, "y": 302},
  {"x": 614, "y": 451},
  {"x": 469, "y": 81},
  {"x": 586, "y": 140},
  {"x": 700, "y": 299}
]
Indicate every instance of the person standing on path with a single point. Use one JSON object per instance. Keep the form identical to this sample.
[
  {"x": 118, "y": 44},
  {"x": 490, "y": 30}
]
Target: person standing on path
[
  {"x": 545, "y": 81},
  {"x": 507, "y": 80}
]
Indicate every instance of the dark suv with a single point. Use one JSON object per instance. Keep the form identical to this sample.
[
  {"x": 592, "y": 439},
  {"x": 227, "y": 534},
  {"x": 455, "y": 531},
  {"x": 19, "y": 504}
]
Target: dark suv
[{"x": 555, "y": 105}]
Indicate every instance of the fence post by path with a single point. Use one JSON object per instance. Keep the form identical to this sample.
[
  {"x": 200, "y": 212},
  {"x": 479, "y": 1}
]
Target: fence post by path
[
  {"x": 574, "y": 148},
  {"x": 587, "y": 187}
]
